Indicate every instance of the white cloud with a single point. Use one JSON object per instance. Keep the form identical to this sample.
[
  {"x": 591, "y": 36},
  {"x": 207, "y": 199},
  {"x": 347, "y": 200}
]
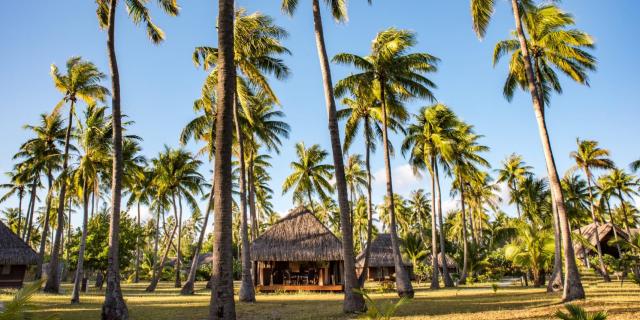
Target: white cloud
[{"x": 404, "y": 181}]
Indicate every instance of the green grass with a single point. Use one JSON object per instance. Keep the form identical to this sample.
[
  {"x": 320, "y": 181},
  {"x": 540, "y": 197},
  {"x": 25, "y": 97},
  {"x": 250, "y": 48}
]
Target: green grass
[{"x": 474, "y": 302}]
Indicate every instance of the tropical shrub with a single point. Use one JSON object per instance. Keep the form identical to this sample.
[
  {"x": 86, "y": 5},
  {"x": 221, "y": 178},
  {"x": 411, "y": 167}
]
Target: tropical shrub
[
  {"x": 18, "y": 307},
  {"x": 383, "y": 310},
  {"x": 578, "y": 313}
]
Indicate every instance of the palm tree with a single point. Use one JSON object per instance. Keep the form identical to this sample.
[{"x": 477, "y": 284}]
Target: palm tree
[
  {"x": 17, "y": 186},
  {"x": 94, "y": 137},
  {"x": 222, "y": 305},
  {"x": 553, "y": 46},
  {"x": 353, "y": 302},
  {"x": 464, "y": 161},
  {"x": 532, "y": 248},
  {"x": 396, "y": 75},
  {"x": 589, "y": 157},
  {"x": 310, "y": 174},
  {"x": 514, "y": 170},
  {"x": 577, "y": 196},
  {"x": 82, "y": 81},
  {"x": 355, "y": 176},
  {"x": 430, "y": 141},
  {"x": 624, "y": 184},
  {"x": 481, "y": 12},
  {"x": 114, "y": 306},
  {"x": 141, "y": 192},
  {"x": 50, "y": 134}
]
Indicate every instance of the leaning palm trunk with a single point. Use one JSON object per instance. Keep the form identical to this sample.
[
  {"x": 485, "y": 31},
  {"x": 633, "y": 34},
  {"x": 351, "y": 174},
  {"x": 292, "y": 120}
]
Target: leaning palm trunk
[
  {"x": 555, "y": 281},
  {"x": 353, "y": 302},
  {"x": 178, "y": 283},
  {"x": 29, "y": 225},
  {"x": 367, "y": 251},
  {"x": 403, "y": 283},
  {"x": 252, "y": 200},
  {"x": 573, "y": 286},
  {"x": 613, "y": 223},
  {"x": 188, "y": 287},
  {"x": 603, "y": 269},
  {"x": 222, "y": 305},
  {"x": 435, "y": 283},
  {"x": 448, "y": 282},
  {"x": 75, "y": 296},
  {"x": 465, "y": 249},
  {"x": 160, "y": 266},
  {"x": 247, "y": 293},
  {"x": 45, "y": 227},
  {"x": 624, "y": 213},
  {"x": 114, "y": 306},
  {"x": 53, "y": 280}
]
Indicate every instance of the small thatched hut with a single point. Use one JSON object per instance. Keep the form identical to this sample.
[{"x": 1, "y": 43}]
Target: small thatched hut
[
  {"x": 381, "y": 264},
  {"x": 15, "y": 256},
  {"x": 297, "y": 253},
  {"x": 606, "y": 232}
]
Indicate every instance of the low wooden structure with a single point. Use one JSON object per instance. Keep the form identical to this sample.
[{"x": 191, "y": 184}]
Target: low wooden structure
[
  {"x": 297, "y": 253},
  {"x": 606, "y": 232},
  {"x": 15, "y": 257},
  {"x": 381, "y": 264}
]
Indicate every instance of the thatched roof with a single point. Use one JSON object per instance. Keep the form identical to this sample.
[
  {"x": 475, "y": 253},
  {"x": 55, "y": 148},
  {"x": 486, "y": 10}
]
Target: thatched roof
[
  {"x": 14, "y": 251},
  {"x": 589, "y": 232},
  {"x": 451, "y": 264},
  {"x": 299, "y": 236},
  {"x": 381, "y": 253}
]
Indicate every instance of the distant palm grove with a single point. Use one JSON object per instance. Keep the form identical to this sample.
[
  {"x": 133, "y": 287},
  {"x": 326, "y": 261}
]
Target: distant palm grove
[{"x": 153, "y": 219}]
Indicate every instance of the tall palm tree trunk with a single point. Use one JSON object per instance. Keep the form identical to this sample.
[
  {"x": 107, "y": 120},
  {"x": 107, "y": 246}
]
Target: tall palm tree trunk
[
  {"x": 45, "y": 227},
  {"x": 435, "y": 283},
  {"x": 32, "y": 206},
  {"x": 114, "y": 306},
  {"x": 178, "y": 282},
  {"x": 367, "y": 249},
  {"x": 603, "y": 269},
  {"x": 613, "y": 223},
  {"x": 188, "y": 287},
  {"x": 222, "y": 305},
  {"x": 624, "y": 212},
  {"x": 403, "y": 283},
  {"x": 353, "y": 302},
  {"x": 75, "y": 296},
  {"x": 160, "y": 266},
  {"x": 136, "y": 276},
  {"x": 247, "y": 292},
  {"x": 448, "y": 282},
  {"x": 465, "y": 249},
  {"x": 20, "y": 197},
  {"x": 252, "y": 200},
  {"x": 555, "y": 281},
  {"x": 156, "y": 244},
  {"x": 573, "y": 286},
  {"x": 53, "y": 277}
]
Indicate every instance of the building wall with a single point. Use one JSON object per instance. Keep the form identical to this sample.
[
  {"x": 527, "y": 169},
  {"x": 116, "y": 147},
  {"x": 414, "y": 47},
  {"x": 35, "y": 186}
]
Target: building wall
[{"x": 13, "y": 278}]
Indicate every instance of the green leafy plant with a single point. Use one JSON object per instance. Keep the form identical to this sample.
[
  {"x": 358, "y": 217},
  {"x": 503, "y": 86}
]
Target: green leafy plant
[
  {"x": 17, "y": 309},
  {"x": 383, "y": 310},
  {"x": 578, "y": 313},
  {"x": 494, "y": 286}
]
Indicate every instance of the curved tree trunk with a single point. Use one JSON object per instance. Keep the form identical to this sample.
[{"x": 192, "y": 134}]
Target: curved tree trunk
[
  {"x": 222, "y": 305},
  {"x": 45, "y": 228},
  {"x": 603, "y": 269},
  {"x": 435, "y": 282},
  {"x": 136, "y": 276},
  {"x": 465, "y": 249},
  {"x": 53, "y": 279},
  {"x": 573, "y": 286},
  {"x": 247, "y": 292},
  {"x": 252, "y": 199},
  {"x": 114, "y": 306},
  {"x": 613, "y": 223},
  {"x": 178, "y": 282},
  {"x": 448, "y": 282},
  {"x": 353, "y": 302},
  {"x": 75, "y": 296},
  {"x": 188, "y": 287},
  {"x": 555, "y": 281},
  {"x": 624, "y": 212},
  {"x": 34, "y": 199},
  {"x": 367, "y": 252},
  {"x": 403, "y": 283},
  {"x": 160, "y": 266}
]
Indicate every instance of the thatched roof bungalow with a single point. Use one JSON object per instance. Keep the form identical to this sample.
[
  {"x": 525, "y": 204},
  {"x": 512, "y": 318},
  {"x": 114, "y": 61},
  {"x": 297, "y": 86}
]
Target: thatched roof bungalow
[
  {"x": 381, "y": 264},
  {"x": 15, "y": 256},
  {"x": 606, "y": 232},
  {"x": 297, "y": 253}
]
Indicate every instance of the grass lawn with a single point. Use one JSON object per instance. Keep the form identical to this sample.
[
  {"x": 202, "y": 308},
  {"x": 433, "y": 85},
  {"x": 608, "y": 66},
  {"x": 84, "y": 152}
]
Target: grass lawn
[{"x": 476, "y": 302}]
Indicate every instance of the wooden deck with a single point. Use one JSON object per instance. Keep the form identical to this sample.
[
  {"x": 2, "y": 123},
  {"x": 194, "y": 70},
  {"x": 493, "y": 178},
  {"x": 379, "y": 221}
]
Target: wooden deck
[{"x": 281, "y": 287}]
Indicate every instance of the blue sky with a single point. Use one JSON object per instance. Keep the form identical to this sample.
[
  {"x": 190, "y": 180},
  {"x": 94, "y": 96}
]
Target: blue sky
[{"x": 159, "y": 83}]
